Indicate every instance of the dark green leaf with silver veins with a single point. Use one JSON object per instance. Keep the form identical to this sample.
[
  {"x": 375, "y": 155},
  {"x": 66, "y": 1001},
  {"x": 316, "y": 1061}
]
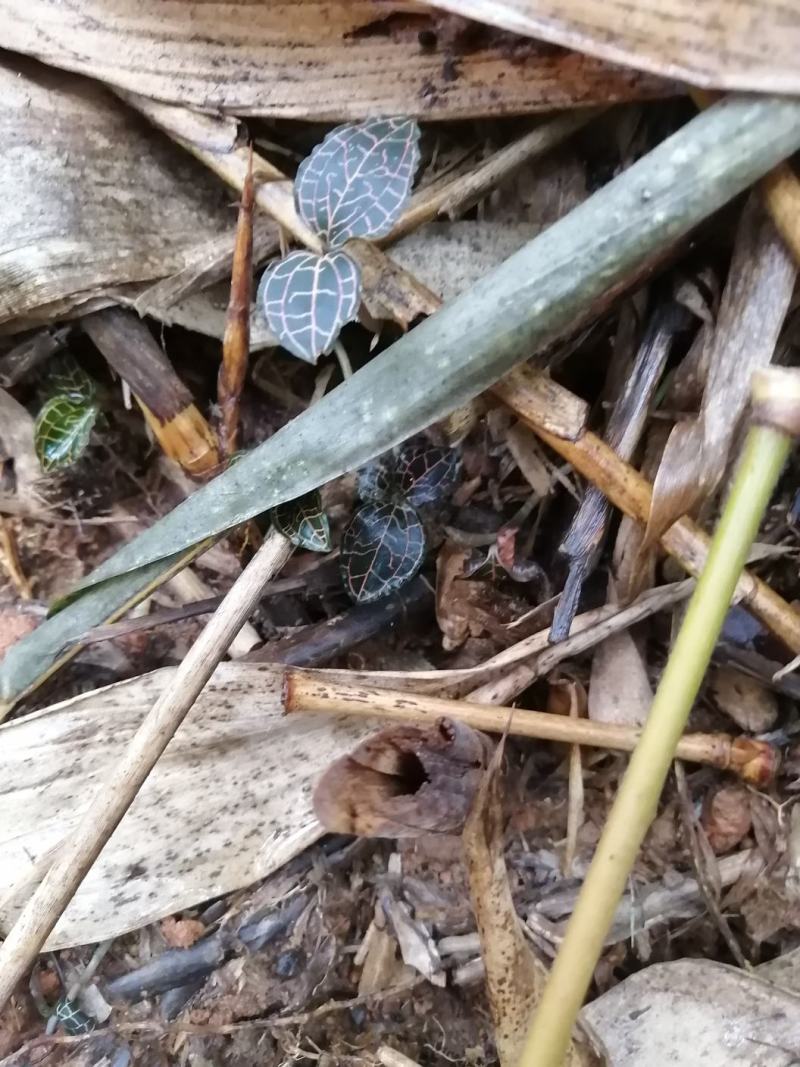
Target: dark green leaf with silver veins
[
  {"x": 306, "y": 299},
  {"x": 62, "y": 431},
  {"x": 357, "y": 182},
  {"x": 382, "y": 548},
  {"x": 304, "y": 522}
]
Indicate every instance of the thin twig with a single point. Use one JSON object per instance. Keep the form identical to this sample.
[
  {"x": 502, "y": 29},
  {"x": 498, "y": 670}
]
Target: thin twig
[
  {"x": 117, "y": 793},
  {"x": 312, "y": 691},
  {"x": 236, "y": 339},
  {"x": 456, "y": 196}
]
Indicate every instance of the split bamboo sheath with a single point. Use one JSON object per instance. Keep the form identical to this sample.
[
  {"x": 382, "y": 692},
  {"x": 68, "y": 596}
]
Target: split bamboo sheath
[{"x": 306, "y": 691}]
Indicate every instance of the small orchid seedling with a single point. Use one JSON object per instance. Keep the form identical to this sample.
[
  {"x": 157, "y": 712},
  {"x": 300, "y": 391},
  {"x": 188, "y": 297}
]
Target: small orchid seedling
[
  {"x": 355, "y": 184},
  {"x": 67, "y": 417}
]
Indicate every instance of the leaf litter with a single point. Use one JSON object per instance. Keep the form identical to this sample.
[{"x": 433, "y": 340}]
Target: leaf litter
[{"x": 329, "y": 885}]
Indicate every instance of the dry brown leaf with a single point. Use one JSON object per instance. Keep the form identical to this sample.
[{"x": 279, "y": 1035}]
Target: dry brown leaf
[
  {"x": 228, "y": 802},
  {"x": 306, "y": 59},
  {"x": 619, "y": 686},
  {"x": 514, "y": 976},
  {"x": 747, "y": 701},
  {"x": 726, "y": 817},
  {"x": 404, "y": 781},
  {"x": 753, "y": 307},
  {"x": 452, "y": 612},
  {"x": 181, "y": 933},
  {"x": 720, "y": 44},
  {"x": 78, "y": 154}
]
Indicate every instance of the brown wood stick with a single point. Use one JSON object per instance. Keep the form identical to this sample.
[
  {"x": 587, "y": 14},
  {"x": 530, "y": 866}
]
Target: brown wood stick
[
  {"x": 118, "y": 791},
  {"x": 633, "y": 494},
  {"x": 310, "y": 691}
]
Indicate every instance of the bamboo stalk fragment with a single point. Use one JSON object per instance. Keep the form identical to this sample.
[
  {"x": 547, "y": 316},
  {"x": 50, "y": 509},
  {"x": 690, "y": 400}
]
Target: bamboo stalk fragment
[
  {"x": 633, "y": 494},
  {"x": 308, "y": 691}
]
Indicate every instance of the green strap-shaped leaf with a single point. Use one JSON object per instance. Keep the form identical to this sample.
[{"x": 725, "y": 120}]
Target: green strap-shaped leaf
[
  {"x": 62, "y": 431},
  {"x": 515, "y": 311},
  {"x": 427, "y": 475},
  {"x": 382, "y": 548},
  {"x": 357, "y": 182},
  {"x": 304, "y": 522},
  {"x": 306, "y": 299}
]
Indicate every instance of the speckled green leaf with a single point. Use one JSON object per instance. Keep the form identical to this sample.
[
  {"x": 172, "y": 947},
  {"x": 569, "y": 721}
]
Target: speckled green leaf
[
  {"x": 357, "y": 182},
  {"x": 304, "y": 522},
  {"x": 62, "y": 431},
  {"x": 382, "y": 548}
]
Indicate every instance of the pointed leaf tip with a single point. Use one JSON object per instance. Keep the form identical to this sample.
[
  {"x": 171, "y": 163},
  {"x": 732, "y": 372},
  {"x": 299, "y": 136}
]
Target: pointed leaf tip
[
  {"x": 304, "y": 522},
  {"x": 357, "y": 182},
  {"x": 382, "y": 548},
  {"x": 306, "y": 299}
]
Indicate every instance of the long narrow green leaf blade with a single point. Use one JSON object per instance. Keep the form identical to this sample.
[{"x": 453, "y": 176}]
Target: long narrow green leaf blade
[{"x": 519, "y": 307}]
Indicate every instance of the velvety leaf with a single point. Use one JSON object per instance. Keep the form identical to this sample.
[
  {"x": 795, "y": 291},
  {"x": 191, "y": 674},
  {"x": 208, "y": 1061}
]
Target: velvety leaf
[
  {"x": 382, "y": 548},
  {"x": 376, "y": 480},
  {"x": 306, "y": 299},
  {"x": 304, "y": 522},
  {"x": 66, "y": 377},
  {"x": 62, "y": 431},
  {"x": 357, "y": 182},
  {"x": 427, "y": 475}
]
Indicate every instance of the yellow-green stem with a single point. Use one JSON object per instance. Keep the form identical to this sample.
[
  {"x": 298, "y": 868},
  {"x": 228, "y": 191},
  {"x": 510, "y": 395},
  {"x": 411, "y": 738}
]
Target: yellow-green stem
[{"x": 635, "y": 806}]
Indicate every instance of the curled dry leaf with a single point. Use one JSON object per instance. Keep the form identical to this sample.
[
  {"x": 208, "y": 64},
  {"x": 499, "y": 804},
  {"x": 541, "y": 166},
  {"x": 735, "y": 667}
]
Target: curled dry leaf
[
  {"x": 404, "y": 781},
  {"x": 726, "y": 817},
  {"x": 515, "y": 977},
  {"x": 181, "y": 933},
  {"x": 713, "y": 44},
  {"x": 306, "y": 59},
  {"x": 63, "y": 239}
]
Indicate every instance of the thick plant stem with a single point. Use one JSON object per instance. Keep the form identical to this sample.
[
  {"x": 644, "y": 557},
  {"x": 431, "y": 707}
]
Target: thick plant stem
[{"x": 633, "y": 811}]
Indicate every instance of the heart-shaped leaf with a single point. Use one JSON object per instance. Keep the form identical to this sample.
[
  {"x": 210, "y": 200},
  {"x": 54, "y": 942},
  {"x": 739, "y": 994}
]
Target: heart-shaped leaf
[
  {"x": 427, "y": 475},
  {"x": 306, "y": 299},
  {"x": 382, "y": 548},
  {"x": 62, "y": 431},
  {"x": 357, "y": 182},
  {"x": 304, "y": 522}
]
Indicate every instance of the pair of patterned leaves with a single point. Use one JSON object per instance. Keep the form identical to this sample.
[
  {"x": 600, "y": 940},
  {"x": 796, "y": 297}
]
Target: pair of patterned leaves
[
  {"x": 355, "y": 184},
  {"x": 383, "y": 546},
  {"x": 67, "y": 417}
]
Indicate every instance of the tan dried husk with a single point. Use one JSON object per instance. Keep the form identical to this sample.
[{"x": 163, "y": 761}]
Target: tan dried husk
[
  {"x": 91, "y": 200},
  {"x": 304, "y": 59},
  {"x": 515, "y": 977},
  {"x": 753, "y": 307},
  {"x": 716, "y": 44}
]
